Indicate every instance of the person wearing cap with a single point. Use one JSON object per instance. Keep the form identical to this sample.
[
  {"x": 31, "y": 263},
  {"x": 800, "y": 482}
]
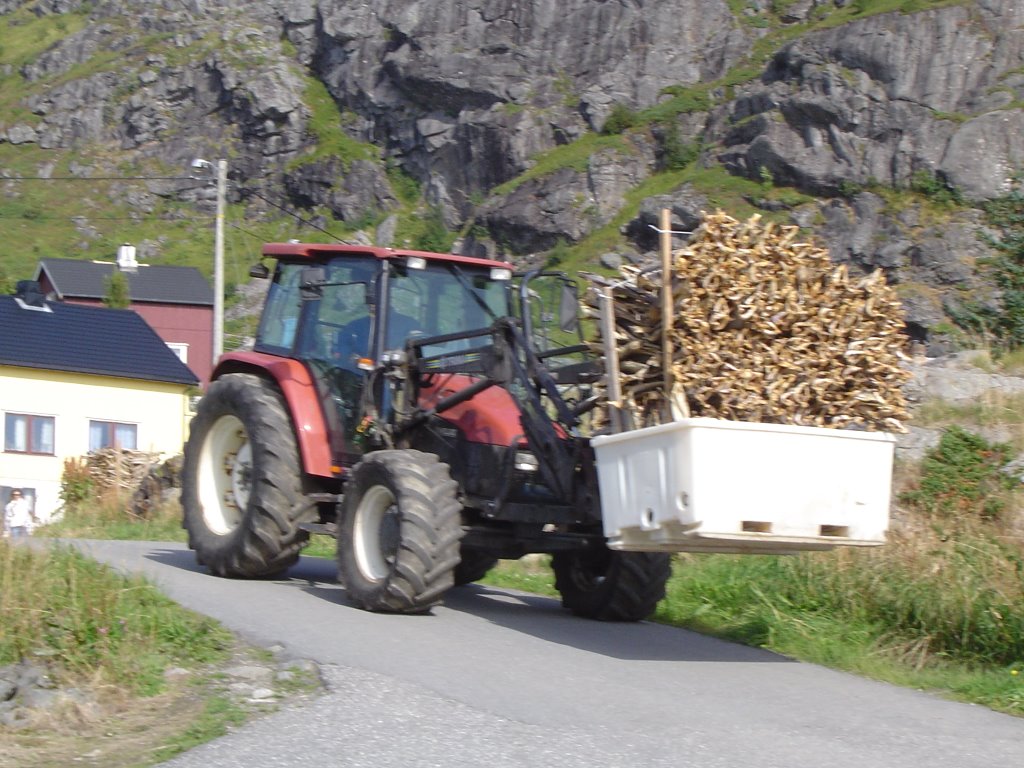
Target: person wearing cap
[{"x": 18, "y": 516}]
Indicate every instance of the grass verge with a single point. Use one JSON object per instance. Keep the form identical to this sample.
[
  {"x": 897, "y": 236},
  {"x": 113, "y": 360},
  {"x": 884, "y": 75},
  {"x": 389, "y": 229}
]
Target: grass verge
[{"x": 143, "y": 675}]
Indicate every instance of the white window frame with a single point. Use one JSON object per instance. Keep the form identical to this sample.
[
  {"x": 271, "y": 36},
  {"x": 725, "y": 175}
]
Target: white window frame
[{"x": 179, "y": 348}]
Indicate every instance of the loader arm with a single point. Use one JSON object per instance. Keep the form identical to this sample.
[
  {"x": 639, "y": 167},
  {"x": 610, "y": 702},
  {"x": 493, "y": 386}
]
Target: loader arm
[{"x": 504, "y": 360}]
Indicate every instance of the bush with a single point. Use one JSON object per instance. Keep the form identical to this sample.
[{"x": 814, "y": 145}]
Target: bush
[
  {"x": 935, "y": 188},
  {"x": 620, "y": 120},
  {"x": 76, "y": 483},
  {"x": 435, "y": 235},
  {"x": 676, "y": 153},
  {"x": 963, "y": 475}
]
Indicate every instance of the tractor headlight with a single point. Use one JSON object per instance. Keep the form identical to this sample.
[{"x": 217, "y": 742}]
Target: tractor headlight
[{"x": 526, "y": 462}]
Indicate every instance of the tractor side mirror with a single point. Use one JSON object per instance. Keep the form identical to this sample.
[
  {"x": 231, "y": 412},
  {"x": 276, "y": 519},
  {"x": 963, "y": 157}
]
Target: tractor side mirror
[
  {"x": 568, "y": 309},
  {"x": 311, "y": 283},
  {"x": 259, "y": 270}
]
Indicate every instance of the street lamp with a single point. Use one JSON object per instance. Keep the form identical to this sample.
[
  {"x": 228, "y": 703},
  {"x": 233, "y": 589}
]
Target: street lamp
[{"x": 218, "y": 252}]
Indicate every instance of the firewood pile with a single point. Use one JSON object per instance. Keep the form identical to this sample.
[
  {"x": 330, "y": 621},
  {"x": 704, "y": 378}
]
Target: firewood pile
[
  {"x": 123, "y": 470},
  {"x": 763, "y": 329}
]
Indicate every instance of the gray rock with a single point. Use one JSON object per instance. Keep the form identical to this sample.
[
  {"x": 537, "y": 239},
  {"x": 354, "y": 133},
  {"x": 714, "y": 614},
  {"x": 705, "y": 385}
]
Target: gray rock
[
  {"x": 249, "y": 672},
  {"x": 686, "y": 207},
  {"x": 611, "y": 260},
  {"x": 867, "y": 101},
  {"x": 385, "y": 233},
  {"x": 22, "y": 134}
]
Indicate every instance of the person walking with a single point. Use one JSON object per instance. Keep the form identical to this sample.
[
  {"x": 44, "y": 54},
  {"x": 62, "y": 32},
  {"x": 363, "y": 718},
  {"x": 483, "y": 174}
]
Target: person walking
[{"x": 18, "y": 516}]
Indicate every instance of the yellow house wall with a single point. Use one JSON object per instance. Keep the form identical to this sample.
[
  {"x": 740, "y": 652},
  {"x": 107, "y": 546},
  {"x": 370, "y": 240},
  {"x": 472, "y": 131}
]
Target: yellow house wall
[{"x": 160, "y": 411}]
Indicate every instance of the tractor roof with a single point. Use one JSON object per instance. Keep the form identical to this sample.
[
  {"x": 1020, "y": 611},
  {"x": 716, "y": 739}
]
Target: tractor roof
[{"x": 321, "y": 251}]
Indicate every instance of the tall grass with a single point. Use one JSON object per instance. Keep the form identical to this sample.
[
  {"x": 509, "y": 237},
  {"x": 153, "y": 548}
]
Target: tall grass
[
  {"x": 104, "y": 517},
  {"x": 95, "y": 624},
  {"x": 931, "y": 594}
]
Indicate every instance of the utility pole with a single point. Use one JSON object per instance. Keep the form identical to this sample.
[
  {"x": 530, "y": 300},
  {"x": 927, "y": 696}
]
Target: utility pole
[
  {"x": 218, "y": 262},
  {"x": 205, "y": 166}
]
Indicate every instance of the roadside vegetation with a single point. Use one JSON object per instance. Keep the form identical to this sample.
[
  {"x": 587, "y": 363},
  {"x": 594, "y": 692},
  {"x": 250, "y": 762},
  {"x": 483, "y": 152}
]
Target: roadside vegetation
[
  {"x": 151, "y": 672},
  {"x": 112, "y": 638}
]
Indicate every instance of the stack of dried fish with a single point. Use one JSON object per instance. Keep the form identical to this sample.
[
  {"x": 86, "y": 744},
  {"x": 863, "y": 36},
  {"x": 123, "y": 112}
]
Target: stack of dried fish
[{"x": 763, "y": 329}]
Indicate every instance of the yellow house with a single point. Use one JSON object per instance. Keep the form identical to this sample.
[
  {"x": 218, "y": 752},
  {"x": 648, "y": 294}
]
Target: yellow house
[{"x": 74, "y": 379}]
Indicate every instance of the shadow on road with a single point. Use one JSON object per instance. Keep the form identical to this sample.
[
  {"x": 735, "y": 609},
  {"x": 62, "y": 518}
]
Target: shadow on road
[
  {"x": 539, "y": 617},
  {"x": 545, "y": 619}
]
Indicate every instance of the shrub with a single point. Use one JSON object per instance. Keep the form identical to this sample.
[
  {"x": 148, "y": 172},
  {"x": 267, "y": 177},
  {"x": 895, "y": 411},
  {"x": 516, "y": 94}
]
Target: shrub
[
  {"x": 963, "y": 475},
  {"x": 76, "y": 483},
  {"x": 936, "y": 189},
  {"x": 620, "y": 120},
  {"x": 676, "y": 153},
  {"x": 435, "y": 235}
]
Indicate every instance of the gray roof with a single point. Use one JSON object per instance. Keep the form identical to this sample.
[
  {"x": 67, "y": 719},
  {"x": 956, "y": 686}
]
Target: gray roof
[
  {"x": 82, "y": 339},
  {"x": 78, "y": 278}
]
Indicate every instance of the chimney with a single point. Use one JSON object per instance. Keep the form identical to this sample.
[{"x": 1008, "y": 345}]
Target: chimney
[
  {"x": 126, "y": 258},
  {"x": 28, "y": 295}
]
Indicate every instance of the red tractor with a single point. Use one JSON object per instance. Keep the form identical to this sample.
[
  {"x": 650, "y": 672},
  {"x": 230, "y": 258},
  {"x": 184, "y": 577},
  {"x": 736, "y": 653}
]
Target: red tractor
[{"x": 428, "y": 411}]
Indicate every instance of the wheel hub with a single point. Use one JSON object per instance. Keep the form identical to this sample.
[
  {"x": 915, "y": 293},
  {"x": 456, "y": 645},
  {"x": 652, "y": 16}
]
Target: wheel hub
[
  {"x": 377, "y": 534},
  {"x": 225, "y": 475}
]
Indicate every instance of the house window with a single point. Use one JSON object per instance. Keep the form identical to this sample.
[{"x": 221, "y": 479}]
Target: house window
[
  {"x": 26, "y": 433},
  {"x": 110, "y": 434},
  {"x": 180, "y": 349}
]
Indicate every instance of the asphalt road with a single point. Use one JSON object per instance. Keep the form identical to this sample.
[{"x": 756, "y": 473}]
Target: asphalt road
[{"x": 497, "y": 678}]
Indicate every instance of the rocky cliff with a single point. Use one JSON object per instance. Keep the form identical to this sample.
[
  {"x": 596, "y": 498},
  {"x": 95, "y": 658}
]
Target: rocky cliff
[{"x": 534, "y": 124}]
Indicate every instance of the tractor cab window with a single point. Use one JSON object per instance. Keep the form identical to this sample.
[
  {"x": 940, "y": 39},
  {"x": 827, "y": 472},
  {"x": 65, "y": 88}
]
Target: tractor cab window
[
  {"x": 441, "y": 298},
  {"x": 340, "y": 324},
  {"x": 280, "y": 320}
]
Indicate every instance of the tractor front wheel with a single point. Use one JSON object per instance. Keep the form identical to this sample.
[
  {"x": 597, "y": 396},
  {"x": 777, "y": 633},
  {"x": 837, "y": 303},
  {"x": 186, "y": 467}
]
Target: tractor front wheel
[
  {"x": 609, "y": 585},
  {"x": 398, "y": 538},
  {"x": 241, "y": 481}
]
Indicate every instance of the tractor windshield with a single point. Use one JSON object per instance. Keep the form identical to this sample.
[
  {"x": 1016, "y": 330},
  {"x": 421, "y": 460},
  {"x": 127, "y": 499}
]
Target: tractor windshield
[{"x": 434, "y": 299}]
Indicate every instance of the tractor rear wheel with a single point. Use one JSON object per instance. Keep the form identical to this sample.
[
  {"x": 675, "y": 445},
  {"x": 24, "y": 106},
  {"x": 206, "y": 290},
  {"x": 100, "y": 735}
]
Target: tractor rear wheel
[
  {"x": 241, "y": 481},
  {"x": 473, "y": 565},
  {"x": 611, "y": 586},
  {"x": 398, "y": 538}
]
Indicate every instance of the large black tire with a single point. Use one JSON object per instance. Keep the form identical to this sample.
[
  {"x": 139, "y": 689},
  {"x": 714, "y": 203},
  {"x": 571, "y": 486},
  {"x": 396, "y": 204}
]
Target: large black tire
[
  {"x": 609, "y": 585},
  {"x": 398, "y": 538},
  {"x": 241, "y": 485},
  {"x": 473, "y": 565}
]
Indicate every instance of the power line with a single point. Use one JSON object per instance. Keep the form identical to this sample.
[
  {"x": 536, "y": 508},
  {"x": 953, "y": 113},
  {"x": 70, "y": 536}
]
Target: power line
[
  {"x": 99, "y": 178},
  {"x": 101, "y": 218},
  {"x": 294, "y": 215},
  {"x": 246, "y": 231}
]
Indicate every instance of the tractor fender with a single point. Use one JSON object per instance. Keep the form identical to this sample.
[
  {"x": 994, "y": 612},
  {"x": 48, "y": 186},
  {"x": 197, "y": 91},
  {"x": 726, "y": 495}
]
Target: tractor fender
[{"x": 297, "y": 387}]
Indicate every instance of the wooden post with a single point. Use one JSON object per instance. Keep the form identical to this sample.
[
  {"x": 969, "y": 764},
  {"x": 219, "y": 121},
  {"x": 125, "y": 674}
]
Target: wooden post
[
  {"x": 611, "y": 359},
  {"x": 665, "y": 239}
]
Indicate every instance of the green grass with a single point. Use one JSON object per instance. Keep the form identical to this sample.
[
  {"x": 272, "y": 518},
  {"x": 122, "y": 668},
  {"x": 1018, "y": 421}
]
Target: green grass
[
  {"x": 218, "y": 715},
  {"x": 325, "y": 124},
  {"x": 98, "y": 624},
  {"x": 107, "y": 519},
  {"x": 575, "y": 155}
]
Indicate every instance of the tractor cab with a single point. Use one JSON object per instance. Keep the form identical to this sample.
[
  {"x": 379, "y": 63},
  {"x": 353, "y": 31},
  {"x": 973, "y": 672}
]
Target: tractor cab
[{"x": 344, "y": 311}]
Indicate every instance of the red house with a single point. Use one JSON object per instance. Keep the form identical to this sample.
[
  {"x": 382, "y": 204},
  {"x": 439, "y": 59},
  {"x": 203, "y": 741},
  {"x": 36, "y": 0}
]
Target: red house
[{"x": 177, "y": 302}]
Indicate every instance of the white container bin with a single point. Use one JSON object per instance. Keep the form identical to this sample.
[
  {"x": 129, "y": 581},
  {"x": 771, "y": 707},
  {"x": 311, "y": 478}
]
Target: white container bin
[{"x": 708, "y": 485}]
